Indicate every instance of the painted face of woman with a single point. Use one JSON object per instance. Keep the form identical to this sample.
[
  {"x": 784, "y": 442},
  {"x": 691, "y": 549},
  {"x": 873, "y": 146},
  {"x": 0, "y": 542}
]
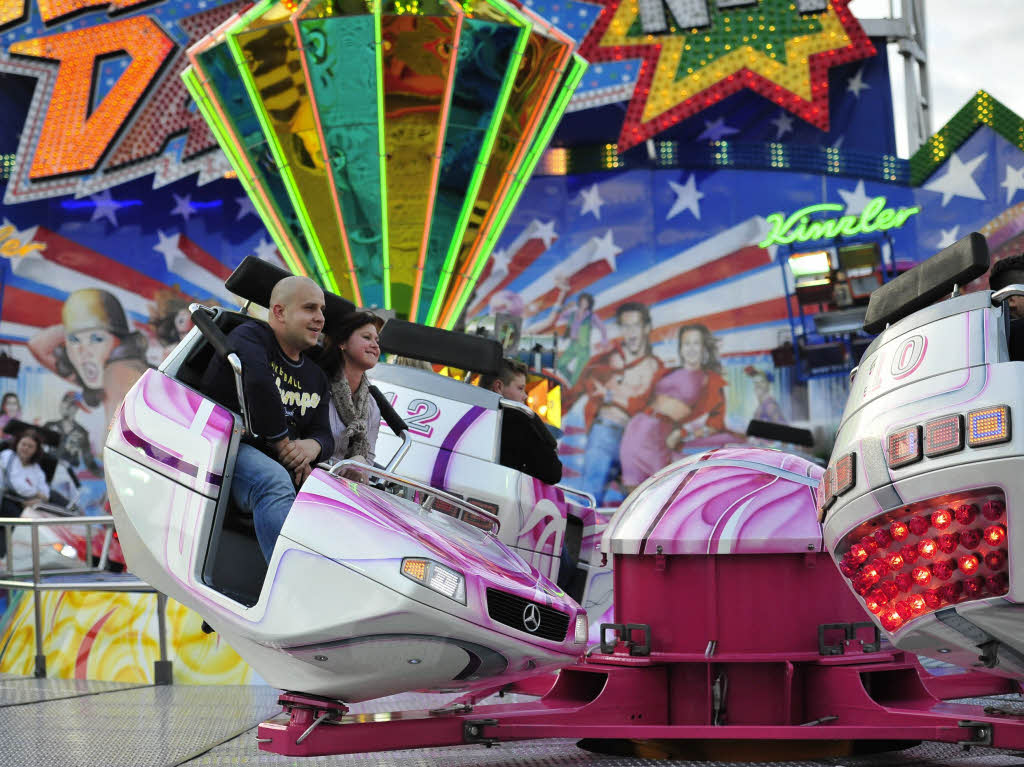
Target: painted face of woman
[
  {"x": 691, "y": 349},
  {"x": 88, "y": 351}
]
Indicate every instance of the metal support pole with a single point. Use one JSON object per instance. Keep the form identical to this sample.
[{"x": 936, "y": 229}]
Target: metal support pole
[
  {"x": 163, "y": 673},
  {"x": 37, "y": 607}
]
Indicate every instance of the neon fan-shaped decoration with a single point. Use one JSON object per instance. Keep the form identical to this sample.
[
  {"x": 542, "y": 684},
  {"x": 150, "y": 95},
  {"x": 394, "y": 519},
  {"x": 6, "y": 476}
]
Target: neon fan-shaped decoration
[{"x": 385, "y": 143}]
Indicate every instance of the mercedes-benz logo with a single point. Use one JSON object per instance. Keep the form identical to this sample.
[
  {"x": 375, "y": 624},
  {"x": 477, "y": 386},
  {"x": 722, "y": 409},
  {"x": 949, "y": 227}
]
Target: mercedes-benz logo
[{"x": 531, "y": 618}]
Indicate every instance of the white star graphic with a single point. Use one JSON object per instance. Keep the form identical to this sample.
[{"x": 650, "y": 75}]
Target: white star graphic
[
  {"x": 1013, "y": 182},
  {"x": 856, "y": 84},
  {"x": 183, "y": 206},
  {"x": 499, "y": 262},
  {"x": 545, "y": 232},
  {"x": 783, "y": 124},
  {"x": 267, "y": 251},
  {"x": 687, "y": 198},
  {"x": 167, "y": 246},
  {"x": 606, "y": 250},
  {"x": 716, "y": 130},
  {"x": 245, "y": 207},
  {"x": 958, "y": 180},
  {"x": 856, "y": 200},
  {"x": 592, "y": 201},
  {"x": 105, "y": 207},
  {"x": 949, "y": 236}
]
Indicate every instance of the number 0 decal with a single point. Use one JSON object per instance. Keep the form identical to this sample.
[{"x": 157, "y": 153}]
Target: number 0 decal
[{"x": 909, "y": 356}]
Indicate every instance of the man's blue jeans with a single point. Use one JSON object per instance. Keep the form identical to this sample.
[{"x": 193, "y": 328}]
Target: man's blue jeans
[
  {"x": 600, "y": 456},
  {"x": 264, "y": 487}
]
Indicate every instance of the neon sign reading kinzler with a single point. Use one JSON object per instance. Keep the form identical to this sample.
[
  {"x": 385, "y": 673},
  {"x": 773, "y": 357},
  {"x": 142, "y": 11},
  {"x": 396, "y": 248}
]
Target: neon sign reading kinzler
[{"x": 798, "y": 227}]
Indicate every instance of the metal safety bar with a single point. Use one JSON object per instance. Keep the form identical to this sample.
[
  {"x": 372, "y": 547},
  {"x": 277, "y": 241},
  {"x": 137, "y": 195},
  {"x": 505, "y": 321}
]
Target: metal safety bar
[
  {"x": 36, "y": 585},
  {"x": 1009, "y": 291},
  {"x": 432, "y": 493},
  {"x": 588, "y": 500}
]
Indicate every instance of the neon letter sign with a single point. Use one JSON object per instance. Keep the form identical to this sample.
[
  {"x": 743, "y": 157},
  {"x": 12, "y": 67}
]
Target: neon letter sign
[{"x": 798, "y": 226}]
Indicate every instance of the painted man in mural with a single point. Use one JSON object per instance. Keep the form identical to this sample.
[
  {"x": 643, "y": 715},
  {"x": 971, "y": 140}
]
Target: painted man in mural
[
  {"x": 686, "y": 409},
  {"x": 582, "y": 323},
  {"x": 619, "y": 383},
  {"x": 94, "y": 348}
]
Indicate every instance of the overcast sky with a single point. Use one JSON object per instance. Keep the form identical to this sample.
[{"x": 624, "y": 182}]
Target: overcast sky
[{"x": 972, "y": 45}]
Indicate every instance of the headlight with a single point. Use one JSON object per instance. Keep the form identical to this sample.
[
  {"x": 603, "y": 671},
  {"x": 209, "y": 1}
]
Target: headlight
[
  {"x": 436, "y": 577},
  {"x": 582, "y": 629}
]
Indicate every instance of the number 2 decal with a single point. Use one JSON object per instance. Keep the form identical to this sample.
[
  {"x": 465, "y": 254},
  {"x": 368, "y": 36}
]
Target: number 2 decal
[{"x": 418, "y": 415}]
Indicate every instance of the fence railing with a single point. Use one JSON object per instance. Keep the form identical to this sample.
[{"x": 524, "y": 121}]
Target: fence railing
[{"x": 38, "y": 580}]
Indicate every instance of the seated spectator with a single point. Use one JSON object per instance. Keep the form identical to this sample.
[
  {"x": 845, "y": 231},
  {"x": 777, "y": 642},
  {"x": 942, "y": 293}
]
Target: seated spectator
[
  {"x": 24, "y": 482},
  {"x": 287, "y": 397},
  {"x": 354, "y": 415},
  {"x": 526, "y": 443}
]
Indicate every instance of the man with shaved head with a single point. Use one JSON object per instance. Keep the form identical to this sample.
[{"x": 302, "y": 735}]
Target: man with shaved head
[{"x": 287, "y": 396}]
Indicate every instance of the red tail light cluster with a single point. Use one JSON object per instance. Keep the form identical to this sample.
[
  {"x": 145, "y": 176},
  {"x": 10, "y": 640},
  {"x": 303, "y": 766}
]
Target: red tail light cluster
[{"x": 928, "y": 556}]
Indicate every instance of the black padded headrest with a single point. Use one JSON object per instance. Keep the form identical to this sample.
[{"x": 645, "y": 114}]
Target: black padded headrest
[
  {"x": 779, "y": 432},
  {"x": 50, "y": 437},
  {"x": 442, "y": 347},
  {"x": 963, "y": 261},
  {"x": 253, "y": 279}
]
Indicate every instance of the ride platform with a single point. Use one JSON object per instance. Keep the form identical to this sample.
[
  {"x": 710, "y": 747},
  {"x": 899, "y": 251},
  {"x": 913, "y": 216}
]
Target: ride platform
[{"x": 77, "y": 723}]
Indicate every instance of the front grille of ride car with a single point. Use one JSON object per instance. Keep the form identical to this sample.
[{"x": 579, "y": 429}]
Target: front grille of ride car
[{"x": 508, "y": 609}]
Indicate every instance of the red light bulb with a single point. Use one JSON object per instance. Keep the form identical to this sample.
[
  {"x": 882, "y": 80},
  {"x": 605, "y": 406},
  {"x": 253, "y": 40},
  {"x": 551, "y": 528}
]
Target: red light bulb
[
  {"x": 860, "y": 554},
  {"x": 899, "y": 531},
  {"x": 904, "y": 582},
  {"x": 882, "y": 538},
  {"x": 890, "y": 589},
  {"x": 951, "y": 591},
  {"x": 970, "y": 539},
  {"x": 966, "y": 513},
  {"x": 873, "y": 604},
  {"x": 880, "y": 566},
  {"x": 847, "y": 569},
  {"x": 993, "y": 510},
  {"x": 932, "y": 598},
  {"x": 995, "y": 559},
  {"x": 995, "y": 535},
  {"x": 891, "y": 620},
  {"x": 927, "y": 548},
  {"x": 918, "y": 525},
  {"x": 917, "y": 604},
  {"x": 943, "y": 570},
  {"x": 878, "y": 595},
  {"x": 895, "y": 562},
  {"x": 903, "y": 608},
  {"x": 942, "y": 519},
  {"x": 909, "y": 553},
  {"x": 948, "y": 542},
  {"x": 968, "y": 564},
  {"x": 869, "y": 543},
  {"x": 974, "y": 587},
  {"x": 921, "y": 575},
  {"x": 998, "y": 584}
]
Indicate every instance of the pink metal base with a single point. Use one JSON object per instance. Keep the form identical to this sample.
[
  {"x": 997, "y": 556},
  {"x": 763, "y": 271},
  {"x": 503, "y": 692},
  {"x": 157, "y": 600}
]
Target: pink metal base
[{"x": 864, "y": 697}]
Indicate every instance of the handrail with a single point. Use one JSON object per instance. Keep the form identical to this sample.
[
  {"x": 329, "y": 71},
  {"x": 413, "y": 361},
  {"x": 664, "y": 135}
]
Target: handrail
[
  {"x": 1008, "y": 292},
  {"x": 432, "y": 492},
  {"x": 589, "y": 501},
  {"x": 36, "y": 585}
]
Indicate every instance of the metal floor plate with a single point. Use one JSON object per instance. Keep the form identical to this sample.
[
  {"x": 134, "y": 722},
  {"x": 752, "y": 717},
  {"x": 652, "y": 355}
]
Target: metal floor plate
[
  {"x": 22, "y": 690},
  {"x": 139, "y": 727}
]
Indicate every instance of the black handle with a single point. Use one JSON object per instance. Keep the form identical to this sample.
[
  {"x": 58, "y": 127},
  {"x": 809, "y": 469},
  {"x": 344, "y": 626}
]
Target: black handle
[
  {"x": 213, "y": 334},
  {"x": 393, "y": 419}
]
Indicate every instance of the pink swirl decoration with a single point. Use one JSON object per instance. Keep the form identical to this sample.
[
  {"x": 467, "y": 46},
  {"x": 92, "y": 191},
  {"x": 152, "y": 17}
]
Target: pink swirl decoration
[{"x": 723, "y": 506}]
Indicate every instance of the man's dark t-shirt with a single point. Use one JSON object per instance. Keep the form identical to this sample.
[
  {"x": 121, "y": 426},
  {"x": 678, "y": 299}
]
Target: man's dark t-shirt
[{"x": 284, "y": 397}]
